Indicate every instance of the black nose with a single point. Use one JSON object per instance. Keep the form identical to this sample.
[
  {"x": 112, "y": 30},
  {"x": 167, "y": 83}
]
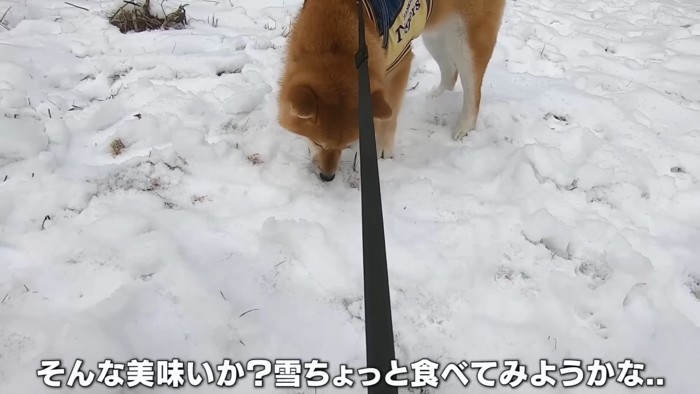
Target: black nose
[{"x": 326, "y": 177}]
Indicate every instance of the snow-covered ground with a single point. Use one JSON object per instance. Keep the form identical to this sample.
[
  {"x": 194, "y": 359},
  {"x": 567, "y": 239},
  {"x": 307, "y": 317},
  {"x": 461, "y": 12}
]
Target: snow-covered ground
[{"x": 566, "y": 226}]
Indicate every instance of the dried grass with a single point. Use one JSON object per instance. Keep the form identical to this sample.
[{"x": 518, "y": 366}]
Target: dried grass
[
  {"x": 117, "y": 147},
  {"x": 137, "y": 18}
]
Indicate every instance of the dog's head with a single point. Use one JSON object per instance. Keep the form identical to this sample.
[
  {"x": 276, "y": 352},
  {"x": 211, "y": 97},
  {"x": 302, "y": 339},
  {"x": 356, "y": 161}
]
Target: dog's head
[{"x": 319, "y": 100}]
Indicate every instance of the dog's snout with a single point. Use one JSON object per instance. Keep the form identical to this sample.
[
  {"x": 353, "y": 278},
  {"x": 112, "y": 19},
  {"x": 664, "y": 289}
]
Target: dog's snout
[{"x": 327, "y": 177}]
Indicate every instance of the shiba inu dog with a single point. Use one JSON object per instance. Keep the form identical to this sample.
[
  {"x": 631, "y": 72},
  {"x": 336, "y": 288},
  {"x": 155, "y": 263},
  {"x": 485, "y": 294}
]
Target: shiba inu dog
[{"x": 318, "y": 96}]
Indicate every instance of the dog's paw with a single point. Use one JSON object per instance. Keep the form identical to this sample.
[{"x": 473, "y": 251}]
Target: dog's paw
[
  {"x": 436, "y": 91},
  {"x": 460, "y": 133},
  {"x": 464, "y": 126},
  {"x": 385, "y": 153}
]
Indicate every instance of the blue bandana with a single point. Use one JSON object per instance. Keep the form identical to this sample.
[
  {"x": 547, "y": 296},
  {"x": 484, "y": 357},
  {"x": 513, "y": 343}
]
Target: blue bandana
[{"x": 385, "y": 13}]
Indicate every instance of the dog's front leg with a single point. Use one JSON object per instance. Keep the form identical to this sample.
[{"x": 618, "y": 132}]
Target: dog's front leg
[{"x": 386, "y": 132}]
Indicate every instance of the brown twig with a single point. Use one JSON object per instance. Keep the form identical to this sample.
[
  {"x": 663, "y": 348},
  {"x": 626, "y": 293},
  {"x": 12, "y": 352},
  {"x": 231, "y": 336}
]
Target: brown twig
[
  {"x": 3, "y": 18},
  {"x": 76, "y": 6},
  {"x": 43, "y": 224},
  {"x": 248, "y": 311}
]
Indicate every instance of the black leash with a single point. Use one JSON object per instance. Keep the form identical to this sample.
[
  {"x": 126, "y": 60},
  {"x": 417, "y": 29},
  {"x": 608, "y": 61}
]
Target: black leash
[{"x": 379, "y": 332}]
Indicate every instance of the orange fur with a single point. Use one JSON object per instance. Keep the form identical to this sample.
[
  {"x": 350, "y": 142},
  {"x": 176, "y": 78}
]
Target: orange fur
[{"x": 319, "y": 86}]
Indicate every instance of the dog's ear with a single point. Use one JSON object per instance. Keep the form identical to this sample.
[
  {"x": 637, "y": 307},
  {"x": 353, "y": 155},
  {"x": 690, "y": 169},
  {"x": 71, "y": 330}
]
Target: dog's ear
[
  {"x": 380, "y": 108},
  {"x": 302, "y": 102}
]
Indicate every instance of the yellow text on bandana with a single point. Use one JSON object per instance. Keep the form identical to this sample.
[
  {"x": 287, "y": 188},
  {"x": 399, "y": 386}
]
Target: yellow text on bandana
[{"x": 407, "y": 26}]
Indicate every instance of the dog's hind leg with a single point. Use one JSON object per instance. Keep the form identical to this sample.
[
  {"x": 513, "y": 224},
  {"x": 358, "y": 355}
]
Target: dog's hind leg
[
  {"x": 449, "y": 44},
  {"x": 471, "y": 90},
  {"x": 472, "y": 49},
  {"x": 436, "y": 43}
]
